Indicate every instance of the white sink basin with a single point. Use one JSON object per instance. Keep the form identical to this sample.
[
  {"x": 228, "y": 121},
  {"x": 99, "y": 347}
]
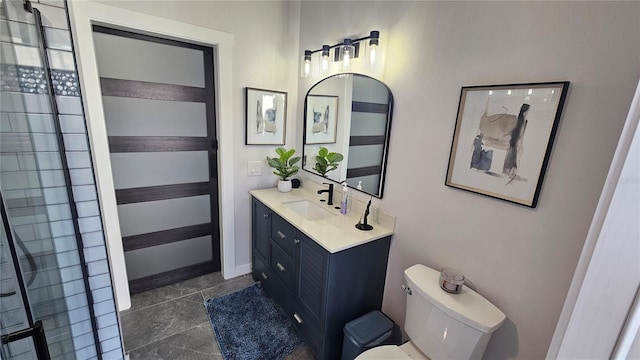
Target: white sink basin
[{"x": 309, "y": 210}]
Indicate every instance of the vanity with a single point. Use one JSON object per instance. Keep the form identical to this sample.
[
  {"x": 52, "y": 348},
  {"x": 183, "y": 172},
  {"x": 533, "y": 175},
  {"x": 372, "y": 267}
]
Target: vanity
[{"x": 314, "y": 262}]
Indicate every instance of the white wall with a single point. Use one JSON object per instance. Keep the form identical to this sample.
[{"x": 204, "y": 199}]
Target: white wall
[
  {"x": 265, "y": 56},
  {"x": 431, "y": 50}
]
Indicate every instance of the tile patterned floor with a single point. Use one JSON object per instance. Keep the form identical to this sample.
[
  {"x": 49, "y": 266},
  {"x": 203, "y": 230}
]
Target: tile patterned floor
[{"x": 171, "y": 322}]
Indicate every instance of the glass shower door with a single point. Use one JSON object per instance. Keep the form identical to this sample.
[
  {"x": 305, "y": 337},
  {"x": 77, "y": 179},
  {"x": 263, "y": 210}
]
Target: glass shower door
[
  {"x": 43, "y": 282},
  {"x": 21, "y": 337}
]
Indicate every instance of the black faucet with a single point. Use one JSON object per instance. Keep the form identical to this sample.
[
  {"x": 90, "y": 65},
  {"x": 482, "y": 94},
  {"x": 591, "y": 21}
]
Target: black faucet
[{"x": 330, "y": 195}]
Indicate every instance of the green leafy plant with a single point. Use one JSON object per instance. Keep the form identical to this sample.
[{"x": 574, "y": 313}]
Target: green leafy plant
[
  {"x": 284, "y": 165},
  {"x": 327, "y": 161}
]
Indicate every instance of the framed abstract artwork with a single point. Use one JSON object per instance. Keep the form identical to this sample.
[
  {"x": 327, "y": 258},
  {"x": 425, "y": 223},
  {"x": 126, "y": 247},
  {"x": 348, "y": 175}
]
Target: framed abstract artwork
[
  {"x": 265, "y": 115},
  {"x": 322, "y": 119},
  {"x": 503, "y": 139}
]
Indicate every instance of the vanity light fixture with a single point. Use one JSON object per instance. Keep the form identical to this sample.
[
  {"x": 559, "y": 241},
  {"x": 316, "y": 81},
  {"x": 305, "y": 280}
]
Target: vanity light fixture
[{"x": 344, "y": 52}]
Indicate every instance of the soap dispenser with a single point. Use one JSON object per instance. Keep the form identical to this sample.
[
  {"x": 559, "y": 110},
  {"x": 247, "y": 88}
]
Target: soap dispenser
[{"x": 345, "y": 199}]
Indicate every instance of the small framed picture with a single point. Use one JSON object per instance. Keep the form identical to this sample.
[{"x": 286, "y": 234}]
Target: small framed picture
[
  {"x": 266, "y": 116},
  {"x": 503, "y": 139},
  {"x": 321, "y": 119}
]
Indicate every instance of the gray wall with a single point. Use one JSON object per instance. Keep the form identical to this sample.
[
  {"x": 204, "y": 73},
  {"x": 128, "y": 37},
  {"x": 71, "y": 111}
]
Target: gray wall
[{"x": 432, "y": 49}]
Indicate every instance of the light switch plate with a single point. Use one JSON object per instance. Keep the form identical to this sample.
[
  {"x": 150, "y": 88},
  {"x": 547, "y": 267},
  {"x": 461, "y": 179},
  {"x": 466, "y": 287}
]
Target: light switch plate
[{"x": 254, "y": 168}]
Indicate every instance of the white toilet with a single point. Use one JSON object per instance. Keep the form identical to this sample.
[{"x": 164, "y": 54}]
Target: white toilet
[{"x": 441, "y": 325}]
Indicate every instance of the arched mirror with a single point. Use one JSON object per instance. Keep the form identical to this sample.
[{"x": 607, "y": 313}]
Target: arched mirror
[{"x": 350, "y": 114}]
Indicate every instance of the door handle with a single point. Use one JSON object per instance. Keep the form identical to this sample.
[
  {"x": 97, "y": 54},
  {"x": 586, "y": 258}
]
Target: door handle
[
  {"x": 281, "y": 235},
  {"x": 280, "y": 267},
  {"x": 298, "y": 318},
  {"x": 264, "y": 276}
]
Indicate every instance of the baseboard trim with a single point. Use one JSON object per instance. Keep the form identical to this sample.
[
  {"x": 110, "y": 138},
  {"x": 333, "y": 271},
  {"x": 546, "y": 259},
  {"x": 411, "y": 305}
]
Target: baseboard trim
[{"x": 238, "y": 271}]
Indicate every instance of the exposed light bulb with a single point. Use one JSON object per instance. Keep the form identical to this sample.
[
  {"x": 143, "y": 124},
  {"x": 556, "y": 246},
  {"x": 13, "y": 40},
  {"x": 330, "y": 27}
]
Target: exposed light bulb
[
  {"x": 325, "y": 58},
  {"x": 372, "y": 54},
  {"x": 346, "y": 58},
  {"x": 307, "y": 67},
  {"x": 347, "y": 53},
  {"x": 306, "y": 64},
  {"x": 374, "y": 40}
]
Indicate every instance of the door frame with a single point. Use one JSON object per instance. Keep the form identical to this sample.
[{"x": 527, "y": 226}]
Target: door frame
[{"x": 85, "y": 14}]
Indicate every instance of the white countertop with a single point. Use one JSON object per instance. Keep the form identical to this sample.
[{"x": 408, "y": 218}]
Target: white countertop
[{"x": 335, "y": 233}]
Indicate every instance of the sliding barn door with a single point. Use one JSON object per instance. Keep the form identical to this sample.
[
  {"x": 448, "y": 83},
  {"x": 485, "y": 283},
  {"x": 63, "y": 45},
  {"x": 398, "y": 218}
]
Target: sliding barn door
[{"x": 158, "y": 98}]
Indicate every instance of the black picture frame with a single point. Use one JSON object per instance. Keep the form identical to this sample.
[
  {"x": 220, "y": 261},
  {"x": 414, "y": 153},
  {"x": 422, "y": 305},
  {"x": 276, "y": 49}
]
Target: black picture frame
[
  {"x": 503, "y": 139},
  {"x": 265, "y": 116}
]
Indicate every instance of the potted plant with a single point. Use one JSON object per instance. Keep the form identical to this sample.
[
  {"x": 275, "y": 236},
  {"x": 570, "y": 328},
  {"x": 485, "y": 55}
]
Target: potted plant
[
  {"x": 284, "y": 166},
  {"x": 327, "y": 161}
]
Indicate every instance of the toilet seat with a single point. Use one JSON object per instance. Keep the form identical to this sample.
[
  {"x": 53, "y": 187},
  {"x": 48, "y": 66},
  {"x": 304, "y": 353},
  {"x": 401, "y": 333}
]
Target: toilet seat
[
  {"x": 405, "y": 351},
  {"x": 385, "y": 352}
]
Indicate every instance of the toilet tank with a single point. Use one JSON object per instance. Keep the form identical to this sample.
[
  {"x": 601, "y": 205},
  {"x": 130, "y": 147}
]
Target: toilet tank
[{"x": 444, "y": 325}]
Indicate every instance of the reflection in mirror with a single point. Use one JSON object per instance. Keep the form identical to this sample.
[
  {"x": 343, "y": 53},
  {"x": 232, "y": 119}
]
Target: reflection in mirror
[{"x": 350, "y": 114}]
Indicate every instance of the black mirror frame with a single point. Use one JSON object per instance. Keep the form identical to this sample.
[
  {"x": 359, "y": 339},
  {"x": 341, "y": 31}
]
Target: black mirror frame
[{"x": 385, "y": 152}]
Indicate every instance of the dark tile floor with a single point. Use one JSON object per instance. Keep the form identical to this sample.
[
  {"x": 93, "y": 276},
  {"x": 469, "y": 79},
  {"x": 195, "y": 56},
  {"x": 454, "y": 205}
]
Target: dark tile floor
[{"x": 171, "y": 322}]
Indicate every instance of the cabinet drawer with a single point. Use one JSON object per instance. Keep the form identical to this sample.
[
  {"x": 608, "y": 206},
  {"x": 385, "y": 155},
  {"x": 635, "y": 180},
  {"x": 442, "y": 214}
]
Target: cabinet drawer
[
  {"x": 271, "y": 284},
  {"x": 282, "y": 266},
  {"x": 260, "y": 270},
  {"x": 284, "y": 234}
]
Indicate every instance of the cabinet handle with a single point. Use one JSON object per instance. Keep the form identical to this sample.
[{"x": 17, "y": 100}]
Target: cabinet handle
[
  {"x": 264, "y": 276},
  {"x": 298, "y": 318},
  {"x": 281, "y": 235},
  {"x": 296, "y": 241},
  {"x": 280, "y": 267},
  {"x": 265, "y": 215}
]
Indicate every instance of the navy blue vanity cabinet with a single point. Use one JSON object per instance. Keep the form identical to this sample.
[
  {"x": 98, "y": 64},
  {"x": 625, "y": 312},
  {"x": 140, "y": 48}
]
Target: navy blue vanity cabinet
[{"x": 320, "y": 291}]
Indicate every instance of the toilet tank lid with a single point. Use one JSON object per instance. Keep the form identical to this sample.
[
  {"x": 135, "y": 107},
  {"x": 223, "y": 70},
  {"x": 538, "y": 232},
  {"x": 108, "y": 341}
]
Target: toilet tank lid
[{"x": 468, "y": 306}]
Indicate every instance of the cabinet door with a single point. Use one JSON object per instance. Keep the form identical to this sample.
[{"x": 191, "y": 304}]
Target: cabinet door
[
  {"x": 261, "y": 230},
  {"x": 312, "y": 264},
  {"x": 309, "y": 328}
]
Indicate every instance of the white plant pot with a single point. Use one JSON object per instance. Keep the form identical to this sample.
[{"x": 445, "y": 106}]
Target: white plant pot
[{"x": 284, "y": 185}]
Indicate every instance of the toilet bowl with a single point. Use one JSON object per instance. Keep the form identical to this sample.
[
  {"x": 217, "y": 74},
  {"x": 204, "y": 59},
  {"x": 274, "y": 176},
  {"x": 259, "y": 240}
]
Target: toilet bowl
[{"x": 441, "y": 325}]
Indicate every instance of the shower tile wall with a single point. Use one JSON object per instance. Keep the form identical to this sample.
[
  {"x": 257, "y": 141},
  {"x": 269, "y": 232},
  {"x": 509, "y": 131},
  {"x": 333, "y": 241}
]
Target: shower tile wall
[{"x": 34, "y": 188}]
